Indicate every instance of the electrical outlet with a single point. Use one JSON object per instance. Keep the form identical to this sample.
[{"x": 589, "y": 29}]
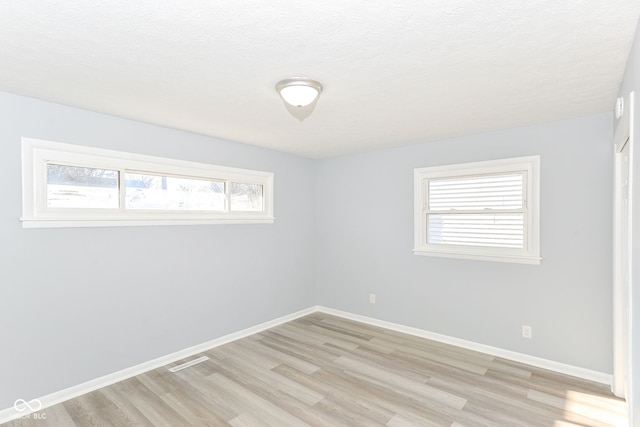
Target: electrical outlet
[
  {"x": 372, "y": 298},
  {"x": 527, "y": 332}
]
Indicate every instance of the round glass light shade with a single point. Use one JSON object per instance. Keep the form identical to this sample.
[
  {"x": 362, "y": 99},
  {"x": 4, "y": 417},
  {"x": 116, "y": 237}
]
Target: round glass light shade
[
  {"x": 299, "y": 96},
  {"x": 299, "y": 92}
]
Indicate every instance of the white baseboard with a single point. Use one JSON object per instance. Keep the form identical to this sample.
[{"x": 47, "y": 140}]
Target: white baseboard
[
  {"x": 539, "y": 362},
  {"x": 92, "y": 385},
  {"x": 89, "y": 386}
]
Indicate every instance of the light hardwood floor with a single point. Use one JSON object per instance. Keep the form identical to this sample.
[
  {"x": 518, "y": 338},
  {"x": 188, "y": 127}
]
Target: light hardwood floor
[{"x": 322, "y": 370}]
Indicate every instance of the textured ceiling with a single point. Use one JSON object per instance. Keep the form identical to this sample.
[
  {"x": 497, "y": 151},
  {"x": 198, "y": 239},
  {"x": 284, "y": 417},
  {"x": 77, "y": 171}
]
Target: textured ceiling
[{"x": 394, "y": 73}]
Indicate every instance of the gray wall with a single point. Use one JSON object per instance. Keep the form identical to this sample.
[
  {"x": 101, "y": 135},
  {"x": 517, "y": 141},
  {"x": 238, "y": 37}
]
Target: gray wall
[
  {"x": 365, "y": 237},
  {"x": 630, "y": 83},
  {"x": 80, "y": 303}
]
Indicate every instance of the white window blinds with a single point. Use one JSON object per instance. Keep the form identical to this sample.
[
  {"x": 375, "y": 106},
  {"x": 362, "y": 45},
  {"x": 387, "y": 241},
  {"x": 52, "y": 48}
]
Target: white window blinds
[
  {"x": 487, "y": 210},
  {"x": 483, "y": 210}
]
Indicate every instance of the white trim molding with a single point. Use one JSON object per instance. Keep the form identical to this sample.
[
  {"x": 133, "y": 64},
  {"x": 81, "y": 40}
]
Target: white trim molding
[
  {"x": 41, "y": 157},
  {"x": 9, "y": 414},
  {"x": 92, "y": 385},
  {"x": 489, "y": 232},
  {"x": 538, "y": 362}
]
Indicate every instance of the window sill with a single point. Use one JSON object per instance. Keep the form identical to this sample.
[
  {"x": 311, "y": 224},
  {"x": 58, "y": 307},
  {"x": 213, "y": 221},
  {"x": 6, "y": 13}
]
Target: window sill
[
  {"x": 519, "y": 259},
  {"x": 136, "y": 222}
]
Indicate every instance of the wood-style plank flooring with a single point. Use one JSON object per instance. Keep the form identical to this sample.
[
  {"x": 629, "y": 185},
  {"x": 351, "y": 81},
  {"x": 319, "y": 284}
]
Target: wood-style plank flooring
[{"x": 322, "y": 370}]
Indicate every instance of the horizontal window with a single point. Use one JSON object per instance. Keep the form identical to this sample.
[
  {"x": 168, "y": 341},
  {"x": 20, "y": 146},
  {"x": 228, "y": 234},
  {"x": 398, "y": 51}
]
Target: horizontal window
[
  {"x": 67, "y": 185},
  {"x": 485, "y": 210},
  {"x": 246, "y": 197},
  {"x": 81, "y": 188},
  {"x": 144, "y": 190}
]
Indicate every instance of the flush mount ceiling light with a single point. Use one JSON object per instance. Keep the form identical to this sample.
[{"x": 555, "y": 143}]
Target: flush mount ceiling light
[
  {"x": 300, "y": 95},
  {"x": 299, "y": 92}
]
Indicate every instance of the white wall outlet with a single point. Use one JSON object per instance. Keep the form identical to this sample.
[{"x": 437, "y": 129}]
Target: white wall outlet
[
  {"x": 372, "y": 298},
  {"x": 527, "y": 332}
]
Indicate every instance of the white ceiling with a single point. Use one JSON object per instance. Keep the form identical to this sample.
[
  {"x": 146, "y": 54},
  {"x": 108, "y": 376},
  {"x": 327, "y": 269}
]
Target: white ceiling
[{"x": 394, "y": 72}]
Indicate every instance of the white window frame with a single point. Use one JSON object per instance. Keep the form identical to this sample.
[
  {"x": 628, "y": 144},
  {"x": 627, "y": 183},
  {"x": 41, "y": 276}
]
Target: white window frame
[
  {"x": 530, "y": 254},
  {"x": 37, "y": 153}
]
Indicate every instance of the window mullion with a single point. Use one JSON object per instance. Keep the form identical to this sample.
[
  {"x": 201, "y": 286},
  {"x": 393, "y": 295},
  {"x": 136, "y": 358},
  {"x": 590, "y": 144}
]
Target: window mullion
[
  {"x": 476, "y": 212},
  {"x": 227, "y": 196},
  {"x": 122, "y": 183}
]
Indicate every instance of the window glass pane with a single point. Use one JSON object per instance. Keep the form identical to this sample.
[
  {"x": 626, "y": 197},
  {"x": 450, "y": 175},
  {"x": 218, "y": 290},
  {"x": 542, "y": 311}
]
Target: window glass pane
[
  {"x": 246, "y": 197},
  {"x": 159, "y": 192},
  {"x": 476, "y": 192},
  {"x": 80, "y": 187},
  {"x": 493, "y": 230}
]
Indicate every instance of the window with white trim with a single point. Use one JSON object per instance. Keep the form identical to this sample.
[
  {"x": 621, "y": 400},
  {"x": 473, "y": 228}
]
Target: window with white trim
[
  {"x": 483, "y": 210},
  {"x": 67, "y": 185}
]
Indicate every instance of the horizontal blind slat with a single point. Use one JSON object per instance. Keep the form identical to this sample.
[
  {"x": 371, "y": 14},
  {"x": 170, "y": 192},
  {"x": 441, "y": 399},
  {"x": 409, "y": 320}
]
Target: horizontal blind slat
[
  {"x": 477, "y": 229},
  {"x": 498, "y": 191}
]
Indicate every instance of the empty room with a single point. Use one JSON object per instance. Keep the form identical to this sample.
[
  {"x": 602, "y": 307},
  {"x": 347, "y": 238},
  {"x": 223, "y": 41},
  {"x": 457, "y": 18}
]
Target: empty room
[{"x": 305, "y": 213}]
